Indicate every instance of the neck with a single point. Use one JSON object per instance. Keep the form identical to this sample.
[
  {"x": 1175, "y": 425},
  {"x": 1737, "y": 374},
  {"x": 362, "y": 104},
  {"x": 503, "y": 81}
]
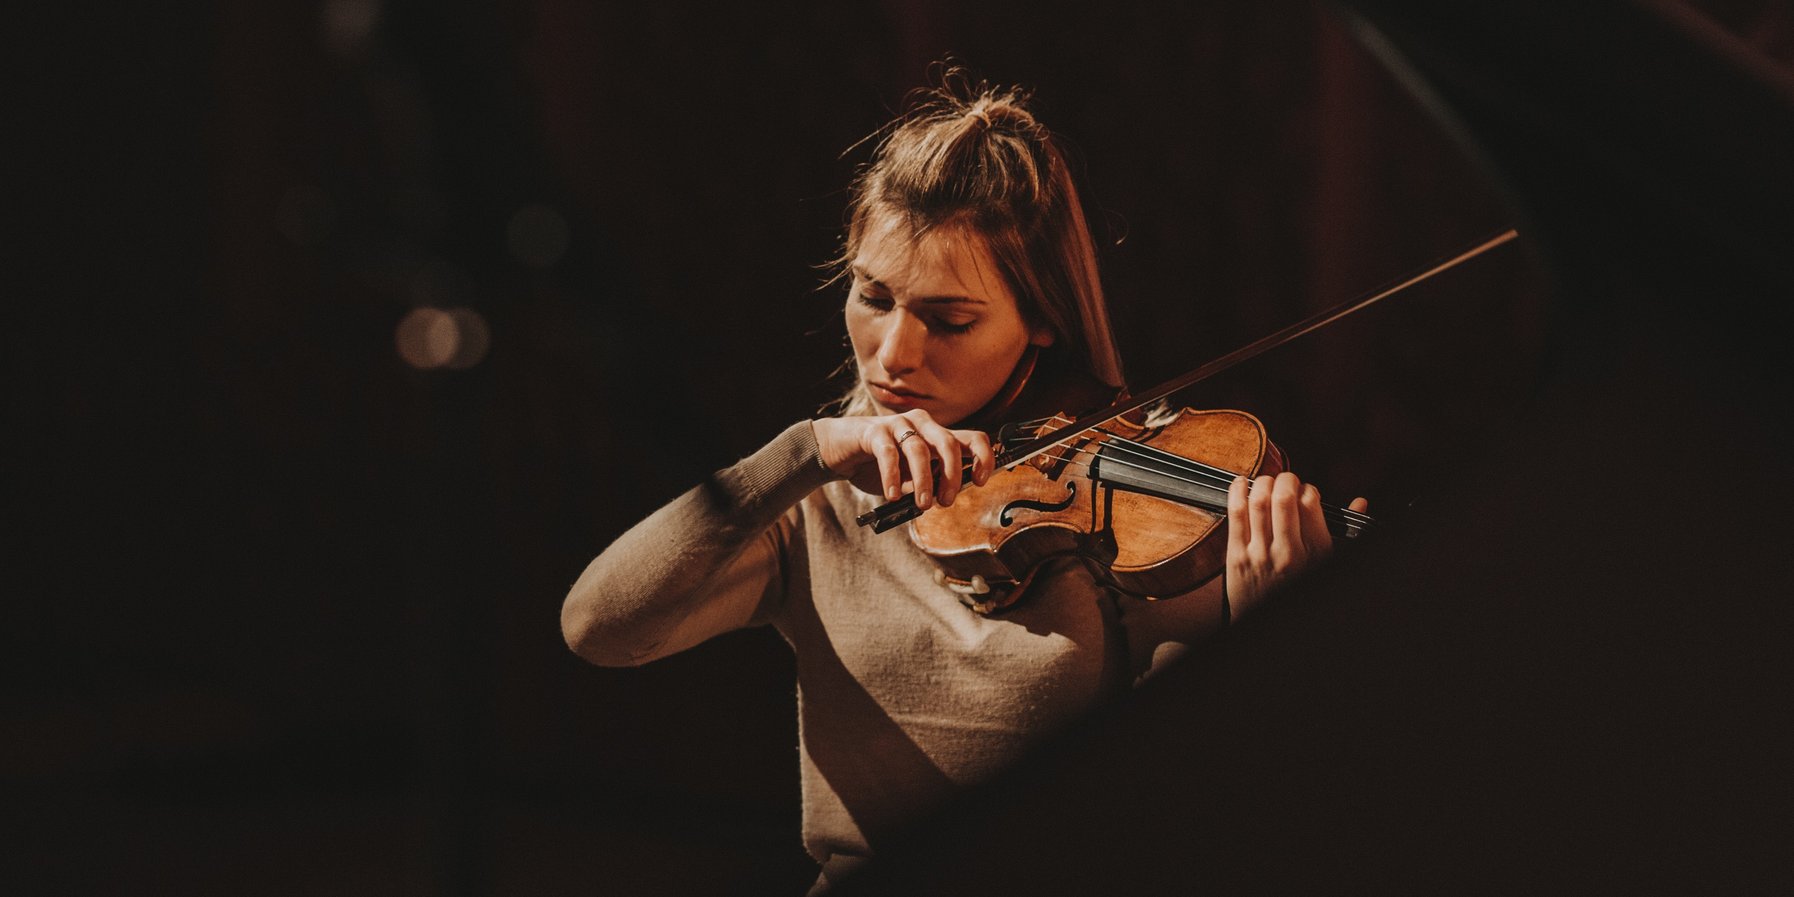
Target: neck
[{"x": 1040, "y": 388}]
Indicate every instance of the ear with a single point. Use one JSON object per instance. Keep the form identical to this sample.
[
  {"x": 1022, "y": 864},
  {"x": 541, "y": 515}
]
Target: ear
[{"x": 1040, "y": 336}]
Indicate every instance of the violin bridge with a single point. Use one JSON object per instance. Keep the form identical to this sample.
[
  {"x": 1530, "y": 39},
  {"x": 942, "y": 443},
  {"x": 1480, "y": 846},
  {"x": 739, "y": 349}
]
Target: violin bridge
[{"x": 1100, "y": 541}]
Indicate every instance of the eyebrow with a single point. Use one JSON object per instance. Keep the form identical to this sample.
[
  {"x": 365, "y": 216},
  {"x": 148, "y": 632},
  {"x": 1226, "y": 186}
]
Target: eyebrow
[{"x": 860, "y": 274}]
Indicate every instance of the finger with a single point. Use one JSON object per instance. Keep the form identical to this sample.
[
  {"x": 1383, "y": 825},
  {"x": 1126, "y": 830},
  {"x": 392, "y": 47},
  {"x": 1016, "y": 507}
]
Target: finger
[
  {"x": 948, "y": 450},
  {"x": 1360, "y": 504},
  {"x": 1288, "y": 550},
  {"x": 1258, "y": 510},
  {"x": 1314, "y": 523},
  {"x": 890, "y": 470},
  {"x": 1239, "y": 525},
  {"x": 984, "y": 459},
  {"x": 920, "y": 460}
]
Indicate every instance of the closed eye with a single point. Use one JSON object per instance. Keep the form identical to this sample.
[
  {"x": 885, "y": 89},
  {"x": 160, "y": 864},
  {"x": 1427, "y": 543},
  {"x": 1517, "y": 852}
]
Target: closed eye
[
  {"x": 883, "y": 304},
  {"x": 879, "y": 304}
]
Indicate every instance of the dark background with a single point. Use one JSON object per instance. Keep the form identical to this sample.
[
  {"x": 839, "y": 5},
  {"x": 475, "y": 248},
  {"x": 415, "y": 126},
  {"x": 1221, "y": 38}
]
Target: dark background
[{"x": 285, "y": 613}]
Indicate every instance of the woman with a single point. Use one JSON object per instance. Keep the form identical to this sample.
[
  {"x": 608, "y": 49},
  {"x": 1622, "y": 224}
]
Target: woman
[{"x": 973, "y": 290}]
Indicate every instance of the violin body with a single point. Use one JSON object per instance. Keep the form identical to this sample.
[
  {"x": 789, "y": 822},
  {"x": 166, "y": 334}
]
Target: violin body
[{"x": 1120, "y": 495}]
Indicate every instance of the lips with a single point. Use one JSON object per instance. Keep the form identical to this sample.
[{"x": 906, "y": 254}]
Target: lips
[{"x": 890, "y": 396}]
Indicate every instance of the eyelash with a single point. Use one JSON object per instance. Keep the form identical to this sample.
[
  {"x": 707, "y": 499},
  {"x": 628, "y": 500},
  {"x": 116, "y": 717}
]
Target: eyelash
[{"x": 881, "y": 305}]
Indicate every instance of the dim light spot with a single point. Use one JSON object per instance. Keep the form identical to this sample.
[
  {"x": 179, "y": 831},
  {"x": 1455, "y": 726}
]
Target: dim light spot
[
  {"x": 454, "y": 338},
  {"x": 348, "y": 25}
]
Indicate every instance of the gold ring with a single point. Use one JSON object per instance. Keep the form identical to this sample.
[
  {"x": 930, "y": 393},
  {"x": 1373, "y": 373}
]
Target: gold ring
[{"x": 904, "y": 435}]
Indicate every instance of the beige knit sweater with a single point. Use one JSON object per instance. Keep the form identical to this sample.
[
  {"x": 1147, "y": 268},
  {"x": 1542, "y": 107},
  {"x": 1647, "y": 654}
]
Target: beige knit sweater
[{"x": 904, "y": 693}]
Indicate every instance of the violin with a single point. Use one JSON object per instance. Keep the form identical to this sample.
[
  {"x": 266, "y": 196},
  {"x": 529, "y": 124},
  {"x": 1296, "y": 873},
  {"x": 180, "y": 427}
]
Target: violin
[{"x": 1146, "y": 499}]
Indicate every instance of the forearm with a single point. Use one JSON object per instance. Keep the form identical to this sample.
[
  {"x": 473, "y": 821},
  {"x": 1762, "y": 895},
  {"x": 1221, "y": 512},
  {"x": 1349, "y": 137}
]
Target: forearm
[{"x": 693, "y": 568}]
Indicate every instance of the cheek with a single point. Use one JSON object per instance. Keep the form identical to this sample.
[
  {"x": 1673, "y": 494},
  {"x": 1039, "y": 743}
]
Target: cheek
[
  {"x": 860, "y": 335},
  {"x": 982, "y": 370},
  {"x": 1000, "y": 354}
]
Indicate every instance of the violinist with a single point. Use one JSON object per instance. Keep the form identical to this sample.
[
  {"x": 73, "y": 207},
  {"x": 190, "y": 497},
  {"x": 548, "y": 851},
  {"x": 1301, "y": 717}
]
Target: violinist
[{"x": 971, "y": 292}]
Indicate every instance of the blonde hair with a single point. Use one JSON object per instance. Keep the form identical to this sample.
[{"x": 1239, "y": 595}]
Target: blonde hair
[{"x": 973, "y": 156}]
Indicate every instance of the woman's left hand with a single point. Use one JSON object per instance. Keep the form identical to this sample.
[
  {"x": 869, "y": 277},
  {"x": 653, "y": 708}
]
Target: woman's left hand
[{"x": 1275, "y": 530}]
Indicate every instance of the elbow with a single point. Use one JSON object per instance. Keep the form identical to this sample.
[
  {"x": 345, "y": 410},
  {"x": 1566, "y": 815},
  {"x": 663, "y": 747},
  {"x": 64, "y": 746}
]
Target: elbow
[
  {"x": 578, "y": 635},
  {"x": 588, "y": 638}
]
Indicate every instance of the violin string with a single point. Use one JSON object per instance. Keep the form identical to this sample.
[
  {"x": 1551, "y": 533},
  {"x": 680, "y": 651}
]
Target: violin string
[
  {"x": 1215, "y": 476},
  {"x": 1329, "y": 512},
  {"x": 1082, "y": 468},
  {"x": 1085, "y": 465},
  {"x": 1199, "y": 473}
]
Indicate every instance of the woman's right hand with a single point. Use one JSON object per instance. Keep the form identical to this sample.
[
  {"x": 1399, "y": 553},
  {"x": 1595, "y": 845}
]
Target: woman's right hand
[{"x": 883, "y": 455}]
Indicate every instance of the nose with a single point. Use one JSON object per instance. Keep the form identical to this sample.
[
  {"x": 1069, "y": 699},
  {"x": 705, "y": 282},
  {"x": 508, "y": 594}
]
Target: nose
[{"x": 904, "y": 344}]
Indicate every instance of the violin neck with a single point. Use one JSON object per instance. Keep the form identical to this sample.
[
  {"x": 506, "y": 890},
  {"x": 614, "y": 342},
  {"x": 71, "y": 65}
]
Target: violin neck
[{"x": 1180, "y": 480}]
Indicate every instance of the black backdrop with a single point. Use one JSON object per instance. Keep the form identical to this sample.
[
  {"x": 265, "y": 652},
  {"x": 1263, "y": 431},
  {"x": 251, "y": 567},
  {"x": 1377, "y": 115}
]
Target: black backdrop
[{"x": 285, "y": 613}]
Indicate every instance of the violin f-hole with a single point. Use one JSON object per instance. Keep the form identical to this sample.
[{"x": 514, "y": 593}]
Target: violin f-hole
[{"x": 1071, "y": 493}]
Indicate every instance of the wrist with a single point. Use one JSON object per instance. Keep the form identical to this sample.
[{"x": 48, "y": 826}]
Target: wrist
[{"x": 826, "y": 430}]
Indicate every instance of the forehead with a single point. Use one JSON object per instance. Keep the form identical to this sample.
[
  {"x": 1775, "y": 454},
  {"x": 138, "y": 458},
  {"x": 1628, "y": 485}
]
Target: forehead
[{"x": 944, "y": 261}]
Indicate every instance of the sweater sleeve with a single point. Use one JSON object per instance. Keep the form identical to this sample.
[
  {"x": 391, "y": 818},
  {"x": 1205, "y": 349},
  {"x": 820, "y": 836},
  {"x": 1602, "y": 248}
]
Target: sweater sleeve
[
  {"x": 1159, "y": 633},
  {"x": 700, "y": 566}
]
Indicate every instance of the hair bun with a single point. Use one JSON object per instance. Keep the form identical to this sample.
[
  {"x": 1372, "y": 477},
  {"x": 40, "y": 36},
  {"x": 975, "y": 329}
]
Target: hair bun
[
  {"x": 958, "y": 98},
  {"x": 1002, "y": 110}
]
